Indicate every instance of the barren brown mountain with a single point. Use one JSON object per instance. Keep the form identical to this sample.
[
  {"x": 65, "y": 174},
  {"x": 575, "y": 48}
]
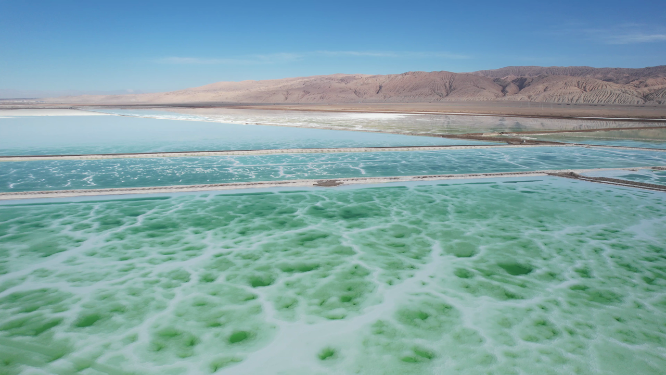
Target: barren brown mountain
[{"x": 529, "y": 83}]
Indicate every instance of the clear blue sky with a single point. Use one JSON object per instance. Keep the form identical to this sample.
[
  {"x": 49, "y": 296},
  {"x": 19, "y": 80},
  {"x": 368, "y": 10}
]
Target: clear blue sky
[{"x": 168, "y": 45}]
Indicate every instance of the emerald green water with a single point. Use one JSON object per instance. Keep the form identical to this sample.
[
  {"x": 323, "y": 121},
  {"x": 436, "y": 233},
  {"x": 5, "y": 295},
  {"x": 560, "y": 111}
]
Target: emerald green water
[{"x": 506, "y": 276}]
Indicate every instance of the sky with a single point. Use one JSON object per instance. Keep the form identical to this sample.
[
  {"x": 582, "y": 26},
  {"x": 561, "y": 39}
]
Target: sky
[{"x": 152, "y": 46}]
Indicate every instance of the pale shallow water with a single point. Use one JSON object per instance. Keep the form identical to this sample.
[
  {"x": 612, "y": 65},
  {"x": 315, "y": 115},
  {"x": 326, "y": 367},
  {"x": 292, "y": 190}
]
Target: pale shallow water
[
  {"x": 643, "y": 175},
  {"x": 116, "y": 173},
  {"x": 118, "y": 134},
  {"x": 386, "y": 122},
  {"x": 507, "y": 276},
  {"x": 642, "y": 138},
  {"x": 610, "y": 142}
]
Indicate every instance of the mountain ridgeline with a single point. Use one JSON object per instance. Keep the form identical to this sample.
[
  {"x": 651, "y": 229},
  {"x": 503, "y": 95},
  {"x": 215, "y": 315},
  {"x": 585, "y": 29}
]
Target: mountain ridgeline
[{"x": 645, "y": 86}]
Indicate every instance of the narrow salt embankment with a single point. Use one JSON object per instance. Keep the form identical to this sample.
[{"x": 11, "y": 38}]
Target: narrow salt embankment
[
  {"x": 653, "y": 176},
  {"x": 147, "y": 155},
  {"x": 163, "y": 172},
  {"x": 568, "y": 173}
]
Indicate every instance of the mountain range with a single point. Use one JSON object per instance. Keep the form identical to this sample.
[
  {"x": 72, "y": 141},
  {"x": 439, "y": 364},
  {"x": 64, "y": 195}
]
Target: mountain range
[{"x": 644, "y": 86}]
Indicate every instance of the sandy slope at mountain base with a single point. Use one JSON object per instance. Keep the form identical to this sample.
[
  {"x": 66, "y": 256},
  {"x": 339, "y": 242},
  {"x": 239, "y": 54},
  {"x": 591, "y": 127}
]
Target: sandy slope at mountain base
[{"x": 647, "y": 87}]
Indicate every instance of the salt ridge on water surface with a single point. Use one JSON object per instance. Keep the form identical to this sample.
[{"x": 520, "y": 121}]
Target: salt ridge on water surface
[
  {"x": 544, "y": 275},
  {"x": 535, "y": 275},
  {"x": 119, "y": 173}
]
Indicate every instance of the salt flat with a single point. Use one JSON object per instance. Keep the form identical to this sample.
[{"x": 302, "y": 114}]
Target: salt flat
[{"x": 396, "y": 121}]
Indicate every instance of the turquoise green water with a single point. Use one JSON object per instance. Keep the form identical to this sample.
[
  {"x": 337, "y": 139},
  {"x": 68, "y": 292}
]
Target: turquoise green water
[
  {"x": 538, "y": 276},
  {"x": 117, "y": 173}
]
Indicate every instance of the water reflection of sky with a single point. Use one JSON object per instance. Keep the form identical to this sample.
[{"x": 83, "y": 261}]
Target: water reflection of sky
[
  {"x": 388, "y": 122},
  {"x": 116, "y": 134}
]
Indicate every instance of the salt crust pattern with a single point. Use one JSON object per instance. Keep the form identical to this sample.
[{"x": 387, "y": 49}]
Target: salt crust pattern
[{"x": 508, "y": 276}]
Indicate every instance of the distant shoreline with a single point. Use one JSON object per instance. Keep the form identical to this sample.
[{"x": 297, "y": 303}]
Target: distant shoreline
[
  {"x": 605, "y": 112},
  {"x": 495, "y": 108}
]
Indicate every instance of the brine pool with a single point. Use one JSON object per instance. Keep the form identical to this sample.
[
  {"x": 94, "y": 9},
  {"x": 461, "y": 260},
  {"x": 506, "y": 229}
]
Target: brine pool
[
  {"x": 117, "y": 134},
  {"x": 491, "y": 276},
  {"x": 123, "y": 173},
  {"x": 503, "y": 276},
  {"x": 641, "y": 138}
]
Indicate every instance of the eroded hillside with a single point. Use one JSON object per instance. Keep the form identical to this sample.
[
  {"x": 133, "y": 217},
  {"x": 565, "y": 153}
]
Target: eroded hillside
[{"x": 538, "y": 84}]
